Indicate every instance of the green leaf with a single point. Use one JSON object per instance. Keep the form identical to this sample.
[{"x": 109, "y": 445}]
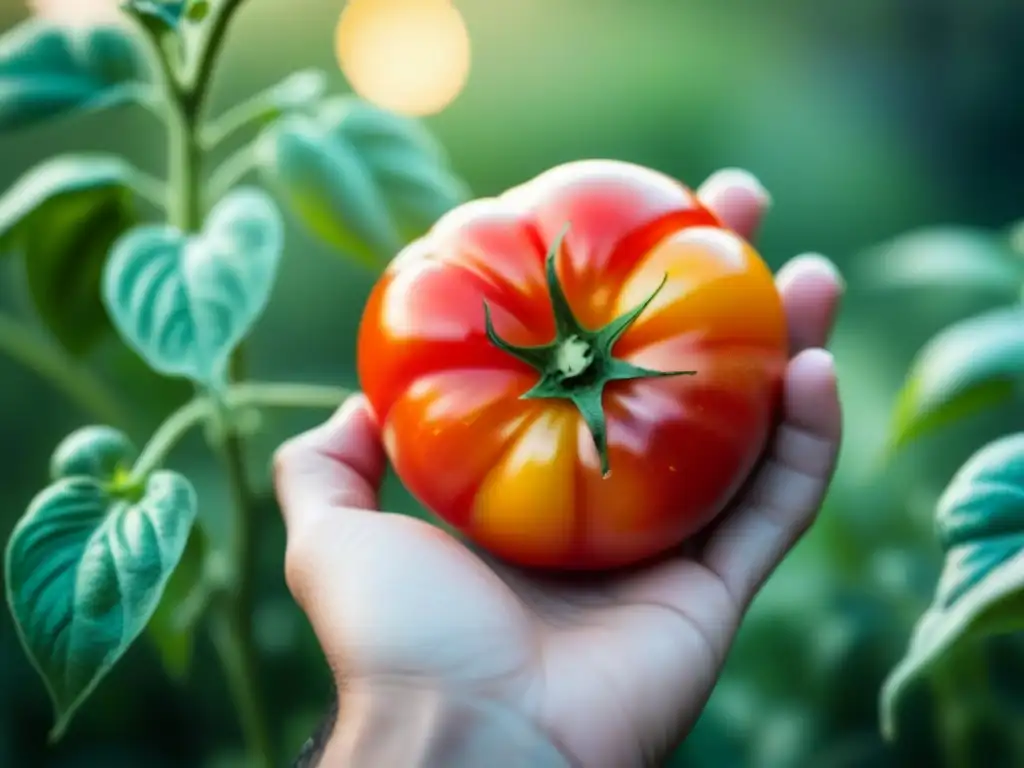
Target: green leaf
[
  {"x": 48, "y": 71},
  {"x": 946, "y": 257},
  {"x": 158, "y": 15},
  {"x": 100, "y": 452},
  {"x": 63, "y": 217},
  {"x": 174, "y": 642},
  {"x": 980, "y": 522},
  {"x": 971, "y": 365},
  {"x": 363, "y": 180},
  {"x": 184, "y": 302},
  {"x": 299, "y": 91},
  {"x": 86, "y": 566}
]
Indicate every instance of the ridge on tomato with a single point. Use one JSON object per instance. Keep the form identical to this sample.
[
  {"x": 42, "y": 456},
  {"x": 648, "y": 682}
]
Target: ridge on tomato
[{"x": 579, "y": 373}]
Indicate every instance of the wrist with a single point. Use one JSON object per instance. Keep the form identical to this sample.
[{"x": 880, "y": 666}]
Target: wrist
[{"x": 408, "y": 727}]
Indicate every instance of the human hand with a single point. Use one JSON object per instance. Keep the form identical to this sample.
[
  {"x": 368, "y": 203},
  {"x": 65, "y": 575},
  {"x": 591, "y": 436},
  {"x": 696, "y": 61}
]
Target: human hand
[{"x": 444, "y": 657}]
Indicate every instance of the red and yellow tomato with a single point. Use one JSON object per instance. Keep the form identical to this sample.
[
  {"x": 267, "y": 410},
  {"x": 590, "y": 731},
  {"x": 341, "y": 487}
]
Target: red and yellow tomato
[{"x": 579, "y": 373}]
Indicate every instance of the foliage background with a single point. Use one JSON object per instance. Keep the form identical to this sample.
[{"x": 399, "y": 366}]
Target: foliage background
[{"x": 863, "y": 119}]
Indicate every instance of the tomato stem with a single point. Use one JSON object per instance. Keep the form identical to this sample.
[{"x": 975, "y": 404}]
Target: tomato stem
[{"x": 579, "y": 362}]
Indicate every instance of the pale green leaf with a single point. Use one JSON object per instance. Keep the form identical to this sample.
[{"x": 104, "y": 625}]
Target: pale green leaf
[
  {"x": 971, "y": 365},
  {"x": 980, "y": 522},
  {"x": 945, "y": 257},
  {"x": 49, "y": 71},
  {"x": 184, "y": 302},
  {"x": 363, "y": 180},
  {"x": 100, "y": 452},
  {"x": 85, "y": 569}
]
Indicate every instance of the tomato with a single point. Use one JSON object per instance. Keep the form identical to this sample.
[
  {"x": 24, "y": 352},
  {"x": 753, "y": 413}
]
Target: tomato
[{"x": 579, "y": 373}]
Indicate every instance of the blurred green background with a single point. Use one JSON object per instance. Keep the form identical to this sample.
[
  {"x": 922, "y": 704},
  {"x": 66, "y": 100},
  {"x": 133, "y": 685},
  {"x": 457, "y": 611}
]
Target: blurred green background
[{"x": 864, "y": 120}]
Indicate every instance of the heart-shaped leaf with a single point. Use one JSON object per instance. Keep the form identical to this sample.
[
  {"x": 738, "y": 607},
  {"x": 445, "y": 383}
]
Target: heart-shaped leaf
[
  {"x": 971, "y": 365},
  {"x": 173, "y": 641},
  {"x": 362, "y": 179},
  {"x": 980, "y": 521},
  {"x": 100, "y": 452},
  {"x": 184, "y": 302},
  {"x": 87, "y": 564},
  {"x": 946, "y": 257},
  {"x": 63, "y": 217},
  {"x": 48, "y": 71}
]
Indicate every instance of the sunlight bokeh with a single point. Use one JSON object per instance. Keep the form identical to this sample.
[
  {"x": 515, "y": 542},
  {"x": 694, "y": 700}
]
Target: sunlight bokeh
[
  {"x": 77, "y": 13},
  {"x": 409, "y": 56}
]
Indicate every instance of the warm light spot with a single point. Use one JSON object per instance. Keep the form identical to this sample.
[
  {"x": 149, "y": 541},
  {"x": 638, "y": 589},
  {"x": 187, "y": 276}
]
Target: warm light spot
[
  {"x": 78, "y": 14},
  {"x": 408, "y": 56}
]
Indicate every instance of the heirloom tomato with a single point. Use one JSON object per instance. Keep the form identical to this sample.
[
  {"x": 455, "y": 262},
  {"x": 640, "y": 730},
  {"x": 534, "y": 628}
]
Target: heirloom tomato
[{"x": 579, "y": 373}]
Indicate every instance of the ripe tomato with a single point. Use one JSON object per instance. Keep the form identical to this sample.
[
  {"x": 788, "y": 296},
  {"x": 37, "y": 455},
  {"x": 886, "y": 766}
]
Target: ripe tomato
[{"x": 577, "y": 374}]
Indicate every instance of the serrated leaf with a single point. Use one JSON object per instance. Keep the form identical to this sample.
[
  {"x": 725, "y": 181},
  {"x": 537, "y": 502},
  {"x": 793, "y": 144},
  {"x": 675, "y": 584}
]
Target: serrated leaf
[
  {"x": 363, "y": 180},
  {"x": 946, "y": 257},
  {"x": 184, "y": 302},
  {"x": 48, "y": 71},
  {"x": 969, "y": 366},
  {"x": 99, "y": 451},
  {"x": 85, "y": 569},
  {"x": 62, "y": 217},
  {"x": 980, "y": 522}
]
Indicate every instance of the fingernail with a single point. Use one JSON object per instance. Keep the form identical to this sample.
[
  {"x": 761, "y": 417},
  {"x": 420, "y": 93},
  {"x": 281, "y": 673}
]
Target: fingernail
[
  {"x": 818, "y": 358},
  {"x": 816, "y": 262},
  {"x": 730, "y": 178}
]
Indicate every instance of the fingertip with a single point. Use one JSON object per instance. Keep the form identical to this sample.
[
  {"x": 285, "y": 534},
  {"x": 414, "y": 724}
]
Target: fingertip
[
  {"x": 812, "y": 268},
  {"x": 737, "y": 197},
  {"x": 811, "y": 288},
  {"x": 812, "y": 394}
]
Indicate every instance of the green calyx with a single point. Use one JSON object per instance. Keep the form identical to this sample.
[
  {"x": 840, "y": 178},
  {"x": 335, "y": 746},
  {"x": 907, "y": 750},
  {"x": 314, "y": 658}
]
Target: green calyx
[{"x": 578, "y": 364}]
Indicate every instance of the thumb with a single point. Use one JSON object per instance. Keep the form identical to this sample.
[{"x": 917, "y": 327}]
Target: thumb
[{"x": 335, "y": 468}]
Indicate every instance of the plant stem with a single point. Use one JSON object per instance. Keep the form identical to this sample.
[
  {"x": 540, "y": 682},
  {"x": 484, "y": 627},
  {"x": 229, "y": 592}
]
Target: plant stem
[
  {"x": 231, "y": 629},
  {"x": 76, "y": 381},
  {"x": 231, "y": 171},
  {"x": 283, "y": 395},
  {"x": 231, "y": 619}
]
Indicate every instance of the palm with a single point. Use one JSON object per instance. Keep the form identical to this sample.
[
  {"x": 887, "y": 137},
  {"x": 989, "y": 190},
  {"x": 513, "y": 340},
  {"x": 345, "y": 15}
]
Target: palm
[
  {"x": 411, "y": 601},
  {"x": 614, "y": 669}
]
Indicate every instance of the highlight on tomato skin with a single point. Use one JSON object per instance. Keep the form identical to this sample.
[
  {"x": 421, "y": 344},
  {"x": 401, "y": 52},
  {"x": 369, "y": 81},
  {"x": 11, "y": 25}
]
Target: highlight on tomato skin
[{"x": 578, "y": 373}]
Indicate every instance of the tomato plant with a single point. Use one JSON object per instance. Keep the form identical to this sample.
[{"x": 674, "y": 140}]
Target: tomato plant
[
  {"x": 580, "y": 372},
  {"x": 971, "y": 366},
  {"x": 178, "y": 270}
]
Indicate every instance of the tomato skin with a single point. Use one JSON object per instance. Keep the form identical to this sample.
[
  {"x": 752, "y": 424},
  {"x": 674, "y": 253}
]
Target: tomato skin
[{"x": 521, "y": 477}]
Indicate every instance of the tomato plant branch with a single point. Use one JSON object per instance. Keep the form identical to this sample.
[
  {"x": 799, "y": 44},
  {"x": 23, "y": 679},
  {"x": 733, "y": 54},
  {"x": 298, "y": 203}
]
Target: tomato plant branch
[
  {"x": 579, "y": 363},
  {"x": 149, "y": 188},
  {"x": 232, "y": 610},
  {"x": 232, "y": 170},
  {"x": 58, "y": 368},
  {"x": 186, "y": 89},
  {"x": 248, "y": 394}
]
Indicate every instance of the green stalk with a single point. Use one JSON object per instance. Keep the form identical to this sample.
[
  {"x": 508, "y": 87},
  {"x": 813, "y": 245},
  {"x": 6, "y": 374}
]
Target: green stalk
[
  {"x": 50, "y": 363},
  {"x": 231, "y": 612}
]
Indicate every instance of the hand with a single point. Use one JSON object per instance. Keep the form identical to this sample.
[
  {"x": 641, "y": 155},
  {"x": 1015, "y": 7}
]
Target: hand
[{"x": 609, "y": 671}]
